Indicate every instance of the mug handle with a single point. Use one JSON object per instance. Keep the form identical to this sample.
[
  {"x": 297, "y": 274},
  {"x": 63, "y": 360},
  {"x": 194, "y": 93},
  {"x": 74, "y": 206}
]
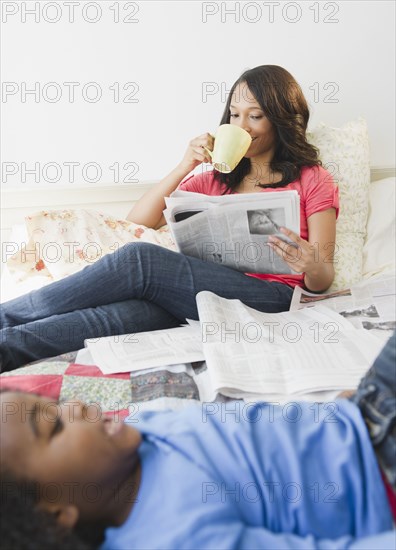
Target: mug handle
[{"x": 210, "y": 153}]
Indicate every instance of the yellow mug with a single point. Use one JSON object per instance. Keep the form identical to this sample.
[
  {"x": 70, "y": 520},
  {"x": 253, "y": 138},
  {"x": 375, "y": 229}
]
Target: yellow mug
[{"x": 230, "y": 145}]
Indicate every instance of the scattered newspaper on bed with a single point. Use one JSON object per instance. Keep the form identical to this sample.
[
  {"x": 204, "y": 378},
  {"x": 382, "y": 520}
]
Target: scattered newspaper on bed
[
  {"x": 370, "y": 304},
  {"x": 250, "y": 353},
  {"x": 146, "y": 350},
  {"x": 233, "y": 230}
]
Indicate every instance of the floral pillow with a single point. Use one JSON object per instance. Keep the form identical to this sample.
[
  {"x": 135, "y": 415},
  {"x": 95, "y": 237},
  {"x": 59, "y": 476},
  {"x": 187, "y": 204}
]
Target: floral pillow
[
  {"x": 345, "y": 153},
  {"x": 62, "y": 242}
]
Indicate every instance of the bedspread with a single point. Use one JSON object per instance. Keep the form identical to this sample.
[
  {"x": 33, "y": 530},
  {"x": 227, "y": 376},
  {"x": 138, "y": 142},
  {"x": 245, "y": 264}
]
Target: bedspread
[{"x": 60, "y": 378}]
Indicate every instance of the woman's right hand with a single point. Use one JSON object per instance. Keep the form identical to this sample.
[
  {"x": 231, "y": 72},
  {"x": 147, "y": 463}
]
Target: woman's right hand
[
  {"x": 196, "y": 153},
  {"x": 148, "y": 210}
]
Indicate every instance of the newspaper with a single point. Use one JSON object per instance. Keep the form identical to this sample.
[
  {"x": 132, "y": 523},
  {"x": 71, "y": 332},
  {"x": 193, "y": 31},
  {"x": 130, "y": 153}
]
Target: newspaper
[
  {"x": 145, "y": 350},
  {"x": 370, "y": 304},
  {"x": 233, "y": 230},
  {"x": 309, "y": 351},
  {"x": 249, "y": 353}
]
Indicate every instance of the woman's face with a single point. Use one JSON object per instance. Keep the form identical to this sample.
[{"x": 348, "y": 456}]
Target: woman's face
[
  {"x": 76, "y": 454},
  {"x": 247, "y": 113}
]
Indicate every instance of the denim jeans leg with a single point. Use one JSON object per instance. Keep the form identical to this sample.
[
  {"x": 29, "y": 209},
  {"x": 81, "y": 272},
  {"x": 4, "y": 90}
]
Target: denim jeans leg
[
  {"x": 376, "y": 398},
  {"x": 67, "y": 332},
  {"x": 145, "y": 271}
]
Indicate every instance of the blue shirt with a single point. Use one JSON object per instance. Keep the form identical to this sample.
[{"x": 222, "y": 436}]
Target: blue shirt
[{"x": 252, "y": 476}]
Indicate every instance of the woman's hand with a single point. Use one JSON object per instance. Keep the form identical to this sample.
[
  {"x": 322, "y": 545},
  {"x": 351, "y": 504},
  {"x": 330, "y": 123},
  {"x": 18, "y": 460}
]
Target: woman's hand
[
  {"x": 301, "y": 256},
  {"x": 315, "y": 257},
  {"x": 148, "y": 210},
  {"x": 196, "y": 153}
]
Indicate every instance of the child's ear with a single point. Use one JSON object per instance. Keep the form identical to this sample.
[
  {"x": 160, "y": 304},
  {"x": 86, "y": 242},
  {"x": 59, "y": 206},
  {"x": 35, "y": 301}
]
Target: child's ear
[{"x": 65, "y": 515}]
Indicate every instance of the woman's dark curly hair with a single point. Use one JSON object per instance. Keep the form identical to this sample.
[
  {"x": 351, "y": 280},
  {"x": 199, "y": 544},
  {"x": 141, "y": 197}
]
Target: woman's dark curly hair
[{"x": 283, "y": 103}]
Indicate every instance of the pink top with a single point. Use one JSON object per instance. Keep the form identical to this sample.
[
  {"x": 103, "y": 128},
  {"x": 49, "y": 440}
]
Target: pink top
[{"x": 317, "y": 192}]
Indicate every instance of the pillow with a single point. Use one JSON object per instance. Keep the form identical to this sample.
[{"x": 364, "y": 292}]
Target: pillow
[
  {"x": 345, "y": 154},
  {"x": 380, "y": 245},
  {"x": 62, "y": 242},
  {"x": 27, "y": 278}
]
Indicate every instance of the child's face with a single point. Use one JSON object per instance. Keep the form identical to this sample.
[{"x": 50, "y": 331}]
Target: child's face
[{"x": 72, "y": 451}]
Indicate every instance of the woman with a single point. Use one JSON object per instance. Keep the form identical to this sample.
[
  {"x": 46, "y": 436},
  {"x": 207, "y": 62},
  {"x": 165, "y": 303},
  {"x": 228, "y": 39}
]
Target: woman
[
  {"x": 144, "y": 287},
  {"x": 209, "y": 476}
]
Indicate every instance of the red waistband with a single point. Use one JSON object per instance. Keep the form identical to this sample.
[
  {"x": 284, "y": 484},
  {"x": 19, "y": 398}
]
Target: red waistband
[{"x": 390, "y": 493}]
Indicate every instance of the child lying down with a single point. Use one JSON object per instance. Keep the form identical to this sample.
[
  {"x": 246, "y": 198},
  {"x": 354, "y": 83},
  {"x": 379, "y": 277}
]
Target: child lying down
[{"x": 214, "y": 475}]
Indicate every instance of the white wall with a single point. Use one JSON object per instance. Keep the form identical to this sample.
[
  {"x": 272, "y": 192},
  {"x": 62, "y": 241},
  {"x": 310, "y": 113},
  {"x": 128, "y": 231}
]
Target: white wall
[{"x": 172, "y": 52}]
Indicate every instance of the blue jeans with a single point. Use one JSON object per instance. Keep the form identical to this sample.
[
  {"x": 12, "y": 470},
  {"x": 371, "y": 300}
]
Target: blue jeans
[
  {"x": 139, "y": 287},
  {"x": 376, "y": 398}
]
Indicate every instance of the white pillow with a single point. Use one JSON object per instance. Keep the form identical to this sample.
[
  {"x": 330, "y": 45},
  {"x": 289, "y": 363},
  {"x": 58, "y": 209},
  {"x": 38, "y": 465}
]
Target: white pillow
[
  {"x": 379, "y": 254},
  {"x": 345, "y": 154}
]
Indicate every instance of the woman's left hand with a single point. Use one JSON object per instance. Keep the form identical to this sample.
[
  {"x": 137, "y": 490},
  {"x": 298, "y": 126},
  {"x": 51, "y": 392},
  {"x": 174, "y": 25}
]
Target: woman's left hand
[{"x": 300, "y": 257}]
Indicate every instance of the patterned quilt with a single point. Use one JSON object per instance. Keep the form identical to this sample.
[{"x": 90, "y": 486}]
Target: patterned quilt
[{"x": 60, "y": 378}]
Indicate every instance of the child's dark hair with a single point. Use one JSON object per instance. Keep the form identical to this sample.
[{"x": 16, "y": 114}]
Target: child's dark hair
[
  {"x": 24, "y": 527},
  {"x": 281, "y": 99}
]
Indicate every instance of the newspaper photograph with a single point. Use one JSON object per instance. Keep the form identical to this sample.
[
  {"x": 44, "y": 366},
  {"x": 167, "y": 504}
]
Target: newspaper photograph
[
  {"x": 233, "y": 230},
  {"x": 370, "y": 304}
]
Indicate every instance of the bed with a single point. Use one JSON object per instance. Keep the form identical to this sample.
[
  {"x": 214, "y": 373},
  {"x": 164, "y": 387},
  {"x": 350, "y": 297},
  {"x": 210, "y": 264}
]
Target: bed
[{"x": 36, "y": 233}]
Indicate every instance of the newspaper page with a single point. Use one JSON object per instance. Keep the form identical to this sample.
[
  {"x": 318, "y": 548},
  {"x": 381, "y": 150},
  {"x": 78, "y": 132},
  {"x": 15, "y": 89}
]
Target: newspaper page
[
  {"x": 144, "y": 350},
  {"x": 251, "y": 353},
  {"x": 233, "y": 230},
  {"x": 370, "y": 304}
]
